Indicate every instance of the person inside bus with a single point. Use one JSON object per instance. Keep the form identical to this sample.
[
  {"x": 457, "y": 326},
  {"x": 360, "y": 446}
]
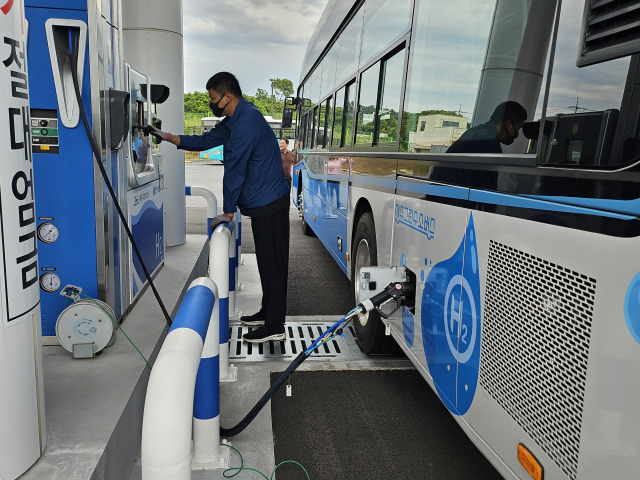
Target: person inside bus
[
  {"x": 253, "y": 181},
  {"x": 287, "y": 160},
  {"x": 501, "y": 129}
]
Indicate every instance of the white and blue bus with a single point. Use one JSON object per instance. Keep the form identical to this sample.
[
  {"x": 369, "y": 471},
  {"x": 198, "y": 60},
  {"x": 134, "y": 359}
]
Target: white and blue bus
[{"x": 527, "y": 315}]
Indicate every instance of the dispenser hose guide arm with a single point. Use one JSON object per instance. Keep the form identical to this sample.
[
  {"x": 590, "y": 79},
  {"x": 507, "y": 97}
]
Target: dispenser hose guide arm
[{"x": 73, "y": 54}]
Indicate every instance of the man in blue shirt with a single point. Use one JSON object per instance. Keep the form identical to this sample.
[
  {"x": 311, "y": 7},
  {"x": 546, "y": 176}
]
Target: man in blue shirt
[{"x": 254, "y": 181}]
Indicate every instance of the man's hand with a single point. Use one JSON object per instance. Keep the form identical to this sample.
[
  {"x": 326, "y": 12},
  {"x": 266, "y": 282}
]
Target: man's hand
[
  {"x": 158, "y": 134},
  {"x": 224, "y": 218}
]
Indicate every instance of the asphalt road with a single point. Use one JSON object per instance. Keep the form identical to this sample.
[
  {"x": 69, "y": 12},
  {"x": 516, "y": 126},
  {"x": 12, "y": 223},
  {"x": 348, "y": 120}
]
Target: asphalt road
[{"x": 317, "y": 286}]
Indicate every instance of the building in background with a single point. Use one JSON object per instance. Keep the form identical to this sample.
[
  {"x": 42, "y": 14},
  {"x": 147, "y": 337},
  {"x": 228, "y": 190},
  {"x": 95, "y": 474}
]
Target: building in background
[{"x": 436, "y": 130}]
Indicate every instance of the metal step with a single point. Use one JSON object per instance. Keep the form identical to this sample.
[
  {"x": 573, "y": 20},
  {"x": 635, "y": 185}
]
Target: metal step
[{"x": 299, "y": 336}]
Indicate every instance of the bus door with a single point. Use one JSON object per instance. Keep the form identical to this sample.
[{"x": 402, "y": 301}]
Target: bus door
[{"x": 429, "y": 230}]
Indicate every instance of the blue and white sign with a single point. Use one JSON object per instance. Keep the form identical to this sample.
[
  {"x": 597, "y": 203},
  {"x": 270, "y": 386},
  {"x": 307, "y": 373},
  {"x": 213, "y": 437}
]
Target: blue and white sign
[
  {"x": 451, "y": 324},
  {"x": 146, "y": 217},
  {"x": 420, "y": 221}
]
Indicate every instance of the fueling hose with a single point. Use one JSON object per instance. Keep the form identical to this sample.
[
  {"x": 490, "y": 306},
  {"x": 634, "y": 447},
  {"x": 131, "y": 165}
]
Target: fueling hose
[
  {"x": 73, "y": 57},
  {"x": 399, "y": 291}
]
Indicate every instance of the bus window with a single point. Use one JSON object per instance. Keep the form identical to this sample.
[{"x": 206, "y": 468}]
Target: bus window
[
  {"x": 349, "y": 48},
  {"x": 338, "y": 114},
  {"x": 329, "y": 71},
  {"x": 307, "y": 143},
  {"x": 584, "y": 103},
  {"x": 367, "y": 104},
  {"x": 329, "y": 123},
  {"x": 300, "y": 131},
  {"x": 390, "y": 99},
  {"x": 314, "y": 123},
  {"x": 469, "y": 57},
  {"x": 384, "y": 21},
  {"x": 313, "y": 84},
  {"x": 349, "y": 108},
  {"x": 322, "y": 127}
]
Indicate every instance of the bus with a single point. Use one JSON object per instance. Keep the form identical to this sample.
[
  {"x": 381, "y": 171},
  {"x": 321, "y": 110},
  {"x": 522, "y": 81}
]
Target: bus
[{"x": 493, "y": 148}]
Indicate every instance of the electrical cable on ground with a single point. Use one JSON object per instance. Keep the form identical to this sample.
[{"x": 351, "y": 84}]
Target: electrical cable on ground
[
  {"x": 73, "y": 57},
  {"x": 242, "y": 467}
]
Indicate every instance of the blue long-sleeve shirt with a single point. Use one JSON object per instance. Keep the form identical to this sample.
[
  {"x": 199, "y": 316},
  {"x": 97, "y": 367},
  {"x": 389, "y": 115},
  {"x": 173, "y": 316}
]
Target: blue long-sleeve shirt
[{"x": 253, "y": 173}]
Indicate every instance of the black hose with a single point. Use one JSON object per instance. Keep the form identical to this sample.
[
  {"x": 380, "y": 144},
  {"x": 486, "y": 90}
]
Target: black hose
[
  {"x": 235, "y": 430},
  {"x": 98, "y": 157}
]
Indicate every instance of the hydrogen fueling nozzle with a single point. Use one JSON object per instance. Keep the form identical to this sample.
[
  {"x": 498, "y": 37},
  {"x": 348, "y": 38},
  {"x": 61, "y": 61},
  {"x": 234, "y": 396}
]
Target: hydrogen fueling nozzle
[
  {"x": 402, "y": 292},
  {"x": 158, "y": 134}
]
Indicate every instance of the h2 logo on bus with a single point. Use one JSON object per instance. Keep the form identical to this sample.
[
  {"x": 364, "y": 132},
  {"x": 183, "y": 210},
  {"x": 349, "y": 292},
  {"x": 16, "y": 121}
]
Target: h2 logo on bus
[{"x": 451, "y": 326}]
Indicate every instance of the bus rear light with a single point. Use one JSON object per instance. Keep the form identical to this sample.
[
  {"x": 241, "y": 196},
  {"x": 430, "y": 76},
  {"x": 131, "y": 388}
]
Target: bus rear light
[
  {"x": 346, "y": 255},
  {"x": 529, "y": 462}
]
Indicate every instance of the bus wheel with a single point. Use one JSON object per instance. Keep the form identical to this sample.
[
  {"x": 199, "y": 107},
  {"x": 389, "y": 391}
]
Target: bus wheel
[
  {"x": 369, "y": 327},
  {"x": 306, "y": 229}
]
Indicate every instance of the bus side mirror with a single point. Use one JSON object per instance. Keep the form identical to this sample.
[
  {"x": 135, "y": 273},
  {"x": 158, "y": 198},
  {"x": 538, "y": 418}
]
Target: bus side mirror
[{"x": 287, "y": 117}]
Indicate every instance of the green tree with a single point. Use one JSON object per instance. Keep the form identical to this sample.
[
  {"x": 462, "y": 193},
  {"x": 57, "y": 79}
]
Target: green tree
[
  {"x": 282, "y": 88},
  {"x": 196, "y": 102},
  {"x": 262, "y": 95}
]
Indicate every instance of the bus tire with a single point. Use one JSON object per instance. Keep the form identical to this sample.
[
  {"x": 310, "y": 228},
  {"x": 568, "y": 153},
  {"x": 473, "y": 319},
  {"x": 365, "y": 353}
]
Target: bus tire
[
  {"x": 369, "y": 328},
  {"x": 306, "y": 229}
]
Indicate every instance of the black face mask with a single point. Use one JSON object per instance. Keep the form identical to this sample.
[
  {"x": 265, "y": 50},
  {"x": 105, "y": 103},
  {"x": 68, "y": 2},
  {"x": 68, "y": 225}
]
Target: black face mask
[
  {"x": 215, "y": 107},
  {"x": 511, "y": 138}
]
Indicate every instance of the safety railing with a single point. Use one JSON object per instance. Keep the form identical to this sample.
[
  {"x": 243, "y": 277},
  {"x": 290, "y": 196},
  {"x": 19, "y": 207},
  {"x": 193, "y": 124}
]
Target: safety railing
[
  {"x": 183, "y": 392},
  {"x": 212, "y": 202},
  {"x": 225, "y": 247}
]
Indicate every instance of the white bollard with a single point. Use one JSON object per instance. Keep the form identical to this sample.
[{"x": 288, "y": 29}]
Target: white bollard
[
  {"x": 169, "y": 403},
  {"x": 212, "y": 203},
  {"x": 207, "y": 454},
  {"x": 219, "y": 272}
]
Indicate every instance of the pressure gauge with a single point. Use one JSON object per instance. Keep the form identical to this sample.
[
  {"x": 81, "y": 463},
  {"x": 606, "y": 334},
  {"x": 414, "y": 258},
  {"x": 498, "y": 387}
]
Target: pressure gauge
[
  {"x": 48, "y": 232},
  {"x": 49, "y": 282}
]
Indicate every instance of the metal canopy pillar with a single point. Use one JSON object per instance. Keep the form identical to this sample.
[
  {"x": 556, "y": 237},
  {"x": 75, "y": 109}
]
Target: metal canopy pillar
[{"x": 152, "y": 37}]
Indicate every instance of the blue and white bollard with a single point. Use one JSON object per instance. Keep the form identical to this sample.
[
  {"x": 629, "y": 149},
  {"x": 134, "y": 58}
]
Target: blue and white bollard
[
  {"x": 207, "y": 454},
  {"x": 169, "y": 404},
  {"x": 220, "y": 272},
  {"x": 212, "y": 203}
]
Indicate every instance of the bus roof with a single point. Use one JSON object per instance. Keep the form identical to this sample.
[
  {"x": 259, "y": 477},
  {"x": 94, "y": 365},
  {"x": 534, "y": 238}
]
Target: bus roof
[{"x": 331, "y": 19}]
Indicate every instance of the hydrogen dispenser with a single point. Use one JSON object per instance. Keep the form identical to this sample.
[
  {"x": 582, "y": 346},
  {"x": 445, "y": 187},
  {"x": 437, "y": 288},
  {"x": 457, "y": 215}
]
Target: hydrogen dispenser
[
  {"x": 145, "y": 200},
  {"x": 81, "y": 240}
]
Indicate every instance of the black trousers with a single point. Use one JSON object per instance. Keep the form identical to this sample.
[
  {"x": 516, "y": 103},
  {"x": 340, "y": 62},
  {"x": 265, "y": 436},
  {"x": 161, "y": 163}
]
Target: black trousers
[{"x": 271, "y": 237}]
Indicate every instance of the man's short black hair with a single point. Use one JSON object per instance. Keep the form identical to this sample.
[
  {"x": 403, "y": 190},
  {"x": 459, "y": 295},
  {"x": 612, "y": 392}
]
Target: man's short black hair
[
  {"x": 286, "y": 140},
  {"x": 223, "y": 82},
  {"x": 508, "y": 110}
]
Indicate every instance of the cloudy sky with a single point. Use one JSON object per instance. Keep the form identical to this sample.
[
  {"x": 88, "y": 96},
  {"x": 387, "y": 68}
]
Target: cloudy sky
[{"x": 254, "y": 39}]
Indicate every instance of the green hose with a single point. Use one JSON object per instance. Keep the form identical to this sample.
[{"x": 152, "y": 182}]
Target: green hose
[
  {"x": 242, "y": 467},
  {"x": 118, "y": 327}
]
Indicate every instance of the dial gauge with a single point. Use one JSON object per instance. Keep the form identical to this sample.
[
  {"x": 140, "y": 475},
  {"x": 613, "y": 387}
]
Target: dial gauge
[
  {"x": 49, "y": 282},
  {"x": 48, "y": 232}
]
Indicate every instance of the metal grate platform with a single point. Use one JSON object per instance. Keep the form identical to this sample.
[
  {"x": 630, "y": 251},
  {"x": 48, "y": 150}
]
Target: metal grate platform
[{"x": 299, "y": 336}]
